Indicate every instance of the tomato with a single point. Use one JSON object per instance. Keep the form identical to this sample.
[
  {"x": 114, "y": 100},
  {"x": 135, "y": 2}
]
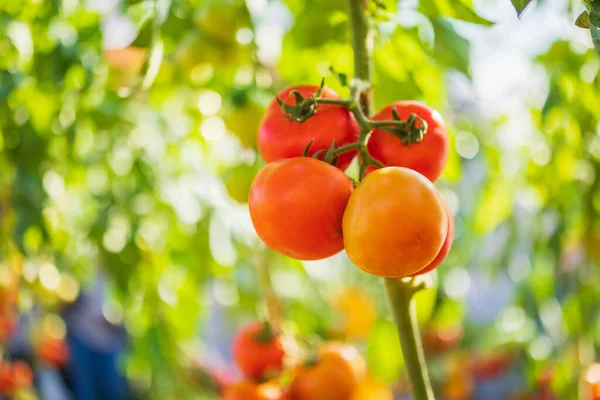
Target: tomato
[
  {"x": 297, "y": 205},
  {"x": 247, "y": 390},
  {"x": 22, "y": 374},
  {"x": 129, "y": 58},
  {"x": 443, "y": 253},
  {"x": 371, "y": 389},
  {"x": 280, "y": 138},
  {"x": 491, "y": 366},
  {"x": 357, "y": 311},
  {"x": 53, "y": 352},
  {"x": 221, "y": 19},
  {"x": 257, "y": 351},
  {"x": 243, "y": 121},
  {"x": 7, "y": 380},
  {"x": 238, "y": 181},
  {"x": 437, "y": 340},
  {"x": 8, "y": 326},
  {"x": 395, "y": 223},
  {"x": 333, "y": 376},
  {"x": 427, "y": 157}
]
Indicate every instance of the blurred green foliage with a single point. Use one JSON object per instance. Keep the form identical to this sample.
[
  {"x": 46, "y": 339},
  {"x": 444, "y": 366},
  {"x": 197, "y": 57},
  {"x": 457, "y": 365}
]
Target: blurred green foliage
[{"x": 137, "y": 161}]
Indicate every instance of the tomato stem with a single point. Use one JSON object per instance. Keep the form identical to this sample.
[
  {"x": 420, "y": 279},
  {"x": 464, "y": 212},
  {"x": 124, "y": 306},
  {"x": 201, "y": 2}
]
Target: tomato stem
[{"x": 400, "y": 293}]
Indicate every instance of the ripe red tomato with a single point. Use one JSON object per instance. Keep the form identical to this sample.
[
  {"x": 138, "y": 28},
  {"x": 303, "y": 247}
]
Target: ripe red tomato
[
  {"x": 333, "y": 376},
  {"x": 53, "y": 352},
  {"x": 427, "y": 157},
  {"x": 257, "y": 351},
  {"x": 297, "y": 205},
  {"x": 445, "y": 247},
  {"x": 247, "y": 390},
  {"x": 395, "y": 223},
  {"x": 280, "y": 138},
  {"x": 8, "y": 326},
  {"x": 491, "y": 366}
]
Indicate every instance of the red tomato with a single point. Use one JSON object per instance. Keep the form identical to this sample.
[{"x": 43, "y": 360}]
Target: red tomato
[
  {"x": 427, "y": 157},
  {"x": 297, "y": 206},
  {"x": 491, "y": 366},
  {"x": 246, "y": 390},
  {"x": 395, "y": 223},
  {"x": 256, "y": 350},
  {"x": 280, "y": 138},
  {"x": 7, "y": 380},
  {"x": 334, "y": 376},
  {"x": 8, "y": 326},
  {"x": 445, "y": 247},
  {"x": 53, "y": 352}
]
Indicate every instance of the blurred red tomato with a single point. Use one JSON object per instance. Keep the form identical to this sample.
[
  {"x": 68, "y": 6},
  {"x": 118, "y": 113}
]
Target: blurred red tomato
[
  {"x": 257, "y": 350},
  {"x": 53, "y": 352}
]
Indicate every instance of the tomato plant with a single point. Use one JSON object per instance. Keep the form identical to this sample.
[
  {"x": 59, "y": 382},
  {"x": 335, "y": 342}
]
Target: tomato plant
[
  {"x": 394, "y": 214},
  {"x": 257, "y": 351},
  {"x": 279, "y": 137},
  {"x": 297, "y": 205},
  {"x": 427, "y": 157},
  {"x": 247, "y": 390}
]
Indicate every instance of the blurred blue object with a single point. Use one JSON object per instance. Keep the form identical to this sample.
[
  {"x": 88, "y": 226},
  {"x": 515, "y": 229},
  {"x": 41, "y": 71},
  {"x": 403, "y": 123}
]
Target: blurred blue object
[{"x": 95, "y": 346}]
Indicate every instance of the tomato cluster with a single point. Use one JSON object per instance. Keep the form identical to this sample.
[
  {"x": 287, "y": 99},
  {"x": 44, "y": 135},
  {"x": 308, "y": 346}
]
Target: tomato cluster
[
  {"x": 394, "y": 224},
  {"x": 336, "y": 371},
  {"x": 14, "y": 376}
]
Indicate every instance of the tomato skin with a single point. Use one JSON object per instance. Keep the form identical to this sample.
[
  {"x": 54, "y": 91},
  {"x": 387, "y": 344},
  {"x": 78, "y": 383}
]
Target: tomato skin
[
  {"x": 7, "y": 381},
  {"x": 395, "y": 223},
  {"x": 371, "y": 389},
  {"x": 280, "y": 138},
  {"x": 254, "y": 357},
  {"x": 445, "y": 247},
  {"x": 427, "y": 157},
  {"x": 54, "y": 352},
  {"x": 22, "y": 374},
  {"x": 297, "y": 206},
  {"x": 247, "y": 390},
  {"x": 335, "y": 375}
]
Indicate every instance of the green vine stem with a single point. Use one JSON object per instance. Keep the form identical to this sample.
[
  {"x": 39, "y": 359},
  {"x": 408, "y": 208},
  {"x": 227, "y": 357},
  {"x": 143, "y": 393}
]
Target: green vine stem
[{"x": 400, "y": 292}]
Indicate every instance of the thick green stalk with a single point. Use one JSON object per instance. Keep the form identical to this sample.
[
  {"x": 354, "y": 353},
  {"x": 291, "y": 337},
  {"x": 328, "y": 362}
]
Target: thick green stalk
[
  {"x": 362, "y": 43},
  {"x": 399, "y": 292}
]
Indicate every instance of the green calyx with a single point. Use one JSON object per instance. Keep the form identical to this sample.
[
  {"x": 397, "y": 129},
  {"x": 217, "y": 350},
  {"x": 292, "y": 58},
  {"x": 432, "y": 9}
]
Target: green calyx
[
  {"x": 265, "y": 335},
  {"x": 410, "y": 131},
  {"x": 590, "y": 19}
]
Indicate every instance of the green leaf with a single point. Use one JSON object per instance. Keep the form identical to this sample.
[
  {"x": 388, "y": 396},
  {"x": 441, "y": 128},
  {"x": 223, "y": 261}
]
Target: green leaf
[
  {"x": 583, "y": 20},
  {"x": 144, "y": 37},
  {"x": 458, "y": 9},
  {"x": 520, "y": 5},
  {"x": 154, "y": 62},
  {"x": 451, "y": 49}
]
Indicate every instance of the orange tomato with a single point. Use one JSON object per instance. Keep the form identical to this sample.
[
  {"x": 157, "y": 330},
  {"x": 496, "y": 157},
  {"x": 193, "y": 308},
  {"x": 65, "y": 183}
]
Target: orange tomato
[
  {"x": 395, "y": 223},
  {"x": 22, "y": 374},
  {"x": 8, "y": 326},
  {"x": 371, "y": 389},
  {"x": 334, "y": 376},
  {"x": 427, "y": 157},
  {"x": 53, "y": 352},
  {"x": 357, "y": 311},
  {"x": 445, "y": 247},
  {"x": 256, "y": 350},
  {"x": 129, "y": 58},
  {"x": 247, "y": 390},
  {"x": 297, "y": 206},
  {"x": 278, "y": 137}
]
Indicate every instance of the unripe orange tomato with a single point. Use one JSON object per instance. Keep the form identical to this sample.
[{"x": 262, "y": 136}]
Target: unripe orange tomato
[
  {"x": 333, "y": 376},
  {"x": 297, "y": 206},
  {"x": 371, "y": 389},
  {"x": 395, "y": 223},
  {"x": 128, "y": 58},
  {"x": 257, "y": 351},
  {"x": 247, "y": 390},
  {"x": 280, "y": 138},
  {"x": 445, "y": 247},
  {"x": 427, "y": 157}
]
